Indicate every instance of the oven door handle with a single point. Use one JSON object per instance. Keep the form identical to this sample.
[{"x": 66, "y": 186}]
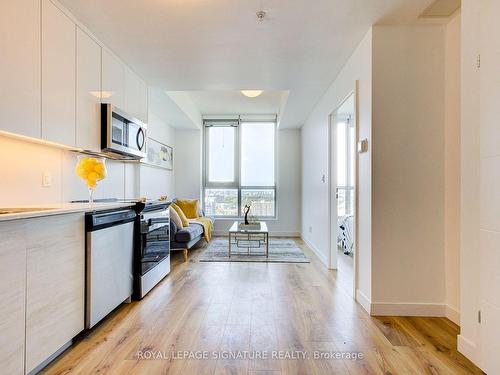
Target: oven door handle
[
  {"x": 154, "y": 224},
  {"x": 161, "y": 220}
]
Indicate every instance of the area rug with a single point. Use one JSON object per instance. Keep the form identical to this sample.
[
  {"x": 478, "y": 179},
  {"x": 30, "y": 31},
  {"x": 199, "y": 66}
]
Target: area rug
[{"x": 280, "y": 251}]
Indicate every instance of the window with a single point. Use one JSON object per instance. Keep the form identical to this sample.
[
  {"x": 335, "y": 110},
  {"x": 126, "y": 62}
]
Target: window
[
  {"x": 239, "y": 168},
  {"x": 346, "y": 159}
]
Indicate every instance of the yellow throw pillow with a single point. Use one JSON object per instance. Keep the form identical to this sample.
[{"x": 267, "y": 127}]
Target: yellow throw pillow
[
  {"x": 189, "y": 207},
  {"x": 174, "y": 216},
  {"x": 185, "y": 221}
]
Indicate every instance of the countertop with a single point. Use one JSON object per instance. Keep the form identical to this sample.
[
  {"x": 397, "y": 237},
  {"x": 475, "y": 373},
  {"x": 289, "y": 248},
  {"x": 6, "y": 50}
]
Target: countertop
[{"x": 59, "y": 209}]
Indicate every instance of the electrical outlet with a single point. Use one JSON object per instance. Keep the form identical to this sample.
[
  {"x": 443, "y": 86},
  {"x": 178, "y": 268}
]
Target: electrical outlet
[
  {"x": 310, "y": 229},
  {"x": 46, "y": 179}
]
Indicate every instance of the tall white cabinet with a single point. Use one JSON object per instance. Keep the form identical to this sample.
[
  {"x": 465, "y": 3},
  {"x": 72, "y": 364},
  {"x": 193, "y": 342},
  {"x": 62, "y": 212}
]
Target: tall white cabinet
[
  {"x": 136, "y": 96},
  {"x": 113, "y": 80},
  {"x": 123, "y": 88},
  {"x": 58, "y": 75},
  {"x": 88, "y": 91},
  {"x": 20, "y": 67}
]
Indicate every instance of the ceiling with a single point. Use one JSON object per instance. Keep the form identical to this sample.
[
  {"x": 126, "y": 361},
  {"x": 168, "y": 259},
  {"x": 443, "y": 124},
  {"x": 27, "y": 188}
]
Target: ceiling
[
  {"x": 442, "y": 8},
  {"x": 234, "y": 102},
  {"x": 218, "y": 45}
]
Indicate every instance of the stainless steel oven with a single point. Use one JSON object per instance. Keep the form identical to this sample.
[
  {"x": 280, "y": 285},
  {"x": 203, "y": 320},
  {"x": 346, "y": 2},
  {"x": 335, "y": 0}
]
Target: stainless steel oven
[
  {"x": 122, "y": 136},
  {"x": 152, "y": 248}
]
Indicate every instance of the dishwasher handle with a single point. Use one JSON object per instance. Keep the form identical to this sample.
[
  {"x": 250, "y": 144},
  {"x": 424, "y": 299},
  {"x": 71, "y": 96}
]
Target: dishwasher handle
[{"x": 101, "y": 220}]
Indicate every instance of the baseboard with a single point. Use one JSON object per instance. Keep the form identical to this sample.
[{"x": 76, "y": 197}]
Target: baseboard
[
  {"x": 320, "y": 256},
  {"x": 363, "y": 300},
  {"x": 468, "y": 349},
  {"x": 453, "y": 314},
  {"x": 284, "y": 234},
  {"x": 408, "y": 309}
]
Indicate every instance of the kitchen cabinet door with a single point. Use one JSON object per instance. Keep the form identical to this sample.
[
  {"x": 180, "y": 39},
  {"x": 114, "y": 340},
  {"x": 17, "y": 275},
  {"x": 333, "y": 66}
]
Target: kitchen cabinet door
[
  {"x": 20, "y": 67},
  {"x": 136, "y": 96},
  {"x": 113, "y": 80},
  {"x": 55, "y": 285},
  {"x": 58, "y": 75},
  {"x": 88, "y": 92},
  {"x": 12, "y": 295}
]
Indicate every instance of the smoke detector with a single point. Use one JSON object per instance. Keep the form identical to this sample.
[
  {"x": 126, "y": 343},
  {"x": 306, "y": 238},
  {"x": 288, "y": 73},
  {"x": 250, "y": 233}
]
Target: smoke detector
[{"x": 260, "y": 15}]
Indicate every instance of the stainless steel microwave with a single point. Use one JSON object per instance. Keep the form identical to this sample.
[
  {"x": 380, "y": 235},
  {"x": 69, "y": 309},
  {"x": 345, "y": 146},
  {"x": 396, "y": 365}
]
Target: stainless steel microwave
[{"x": 122, "y": 136}]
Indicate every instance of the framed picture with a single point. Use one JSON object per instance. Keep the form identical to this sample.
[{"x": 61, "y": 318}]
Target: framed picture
[{"x": 159, "y": 155}]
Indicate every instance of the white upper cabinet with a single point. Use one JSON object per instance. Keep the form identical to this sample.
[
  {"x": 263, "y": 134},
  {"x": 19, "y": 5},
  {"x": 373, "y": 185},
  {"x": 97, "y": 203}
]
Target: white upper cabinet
[
  {"x": 136, "y": 96},
  {"x": 20, "y": 67},
  {"x": 58, "y": 75},
  {"x": 88, "y": 92},
  {"x": 113, "y": 80}
]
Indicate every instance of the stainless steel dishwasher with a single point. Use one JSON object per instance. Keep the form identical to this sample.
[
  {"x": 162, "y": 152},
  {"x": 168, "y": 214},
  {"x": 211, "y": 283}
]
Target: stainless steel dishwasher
[{"x": 109, "y": 262}]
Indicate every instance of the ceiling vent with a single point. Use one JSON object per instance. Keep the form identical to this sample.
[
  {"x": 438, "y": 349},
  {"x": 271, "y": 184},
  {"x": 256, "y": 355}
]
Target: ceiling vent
[{"x": 441, "y": 8}]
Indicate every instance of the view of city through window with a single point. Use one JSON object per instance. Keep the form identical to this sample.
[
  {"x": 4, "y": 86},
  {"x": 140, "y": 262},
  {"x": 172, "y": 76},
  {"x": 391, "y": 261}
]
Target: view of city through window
[
  {"x": 224, "y": 202},
  {"x": 240, "y": 170}
]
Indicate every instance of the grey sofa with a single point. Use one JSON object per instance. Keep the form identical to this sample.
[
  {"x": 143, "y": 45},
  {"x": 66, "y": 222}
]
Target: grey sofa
[{"x": 185, "y": 238}]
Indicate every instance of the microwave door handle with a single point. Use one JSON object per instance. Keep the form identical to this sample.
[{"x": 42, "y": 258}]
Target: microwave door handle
[{"x": 140, "y": 139}]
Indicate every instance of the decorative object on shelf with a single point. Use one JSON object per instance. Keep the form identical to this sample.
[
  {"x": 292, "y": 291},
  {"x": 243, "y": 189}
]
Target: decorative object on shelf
[
  {"x": 250, "y": 223},
  {"x": 159, "y": 155},
  {"x": 246, "y": 210},
  {"x": 91, "y": 170}
]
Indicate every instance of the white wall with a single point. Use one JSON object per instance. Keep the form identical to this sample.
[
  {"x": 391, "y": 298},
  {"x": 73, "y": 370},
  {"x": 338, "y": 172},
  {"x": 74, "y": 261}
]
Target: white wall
[
  {"x": 187, "y": 161},
  {"x": 480, "y": 218},
  {"x": 468, "y": 341},
  {"x": 452, "y": 168},
  {"x": 156, "y": 182},
  {"x": 289, "y": 184},
  {"x": 408, "y": 170},
  {"x": 315, "y": 163},
  {"x": 23, "y": 163},
  {"x": 415, "y": 134},
  {"x": 489, "y": 218}
]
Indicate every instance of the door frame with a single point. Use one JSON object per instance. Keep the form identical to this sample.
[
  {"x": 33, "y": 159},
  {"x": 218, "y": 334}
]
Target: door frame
[{"x": 332, "y": 184}]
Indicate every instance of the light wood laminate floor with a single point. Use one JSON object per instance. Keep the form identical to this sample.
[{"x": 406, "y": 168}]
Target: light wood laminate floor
[{"x": 215, "y": 309}]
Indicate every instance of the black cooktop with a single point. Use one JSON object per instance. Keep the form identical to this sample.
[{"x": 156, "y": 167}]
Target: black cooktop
[{"x": 140, "y": 205}]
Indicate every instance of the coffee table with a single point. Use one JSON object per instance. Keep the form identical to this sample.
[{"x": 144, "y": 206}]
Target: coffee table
[{"x": 240, "y": 234}]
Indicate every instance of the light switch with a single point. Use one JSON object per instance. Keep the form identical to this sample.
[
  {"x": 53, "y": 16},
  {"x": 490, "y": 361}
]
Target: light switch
[
  {"x": 363, "y": 146},
  {"x": 46, "y": 179}
]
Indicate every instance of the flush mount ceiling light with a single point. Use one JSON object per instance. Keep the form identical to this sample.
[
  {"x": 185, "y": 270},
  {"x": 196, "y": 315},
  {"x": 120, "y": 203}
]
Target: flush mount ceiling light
[{"x": 251, "y": 93}]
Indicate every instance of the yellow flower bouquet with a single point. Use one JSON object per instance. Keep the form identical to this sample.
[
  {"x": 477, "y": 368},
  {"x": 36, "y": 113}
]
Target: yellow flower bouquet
[{"x": 91, "y": 170}]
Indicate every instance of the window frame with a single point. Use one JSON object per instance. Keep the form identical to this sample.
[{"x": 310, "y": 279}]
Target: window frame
[{"x": 236, "y": 184}]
